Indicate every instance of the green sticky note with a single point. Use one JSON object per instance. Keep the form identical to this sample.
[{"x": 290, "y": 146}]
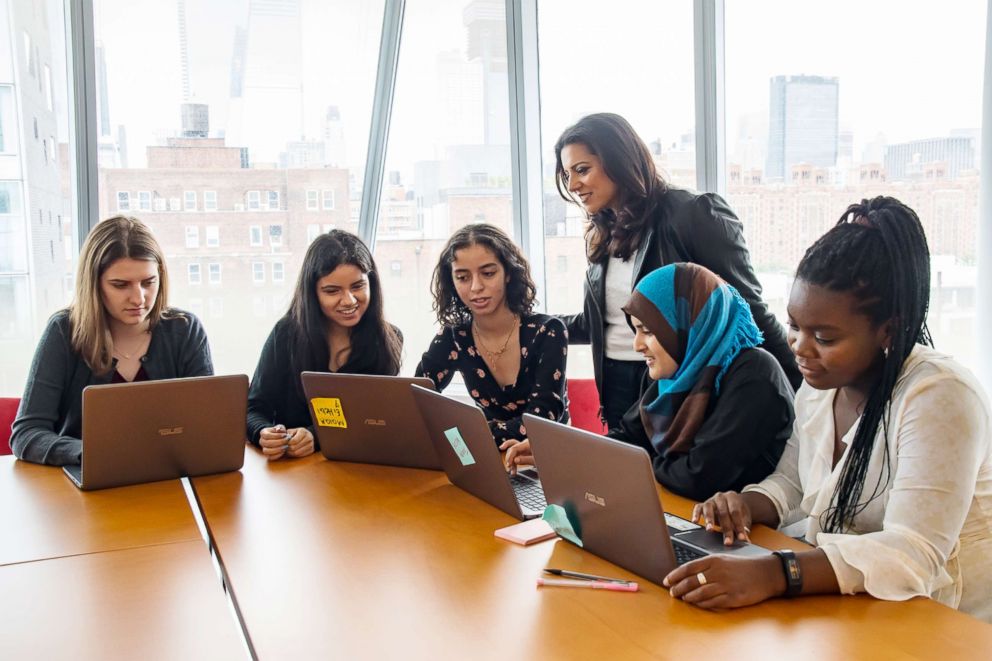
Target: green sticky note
[
  {"x": 458, "y": 445},
  {"x": 557, "y": 518}
]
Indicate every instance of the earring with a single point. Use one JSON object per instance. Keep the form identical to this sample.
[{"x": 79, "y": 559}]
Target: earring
[{"x": 885, "y": 353}]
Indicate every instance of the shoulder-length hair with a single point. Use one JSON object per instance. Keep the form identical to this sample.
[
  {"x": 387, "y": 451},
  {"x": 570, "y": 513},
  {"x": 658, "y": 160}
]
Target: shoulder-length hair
[
  {"x": 119, "y": 237},
  {"x": 627, "y": 162},
  {"x": 376, "y": 348},
  {"x": 520, "y": 288}
]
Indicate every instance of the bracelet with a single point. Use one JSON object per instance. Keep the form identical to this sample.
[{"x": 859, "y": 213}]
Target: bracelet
[{"x": 793, "y": 572}]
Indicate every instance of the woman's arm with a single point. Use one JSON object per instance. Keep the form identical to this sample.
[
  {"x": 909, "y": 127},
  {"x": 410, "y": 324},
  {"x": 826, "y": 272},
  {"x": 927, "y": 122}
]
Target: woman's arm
[
  {"x": 268, "y": 387},
  {"x": 577, "y": 326},
  {"x": 33, "y": 437},
  {"x": 743, "y": 437},
  {"x": 195, "y": 351},
  {"x": 716, "y": 240},
  {"x": 440, "y": 360}
]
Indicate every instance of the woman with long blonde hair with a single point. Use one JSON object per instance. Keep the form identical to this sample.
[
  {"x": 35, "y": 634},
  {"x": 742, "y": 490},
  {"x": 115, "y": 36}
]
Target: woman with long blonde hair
[{"x": 119, "y": 328}]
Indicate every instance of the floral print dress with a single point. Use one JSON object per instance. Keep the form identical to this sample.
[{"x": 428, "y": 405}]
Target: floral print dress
[{"x": 540, "y": 385}]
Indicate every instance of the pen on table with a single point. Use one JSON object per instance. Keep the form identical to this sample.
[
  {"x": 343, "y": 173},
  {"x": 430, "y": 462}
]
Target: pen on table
[
  {"x": 593, "y": 585},
  {"x": 585, "y": 577}
]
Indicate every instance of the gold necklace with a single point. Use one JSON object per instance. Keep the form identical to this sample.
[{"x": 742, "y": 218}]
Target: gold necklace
[
  {"x": 491, "y": 354},
  {"x": 127, "y": 356}
]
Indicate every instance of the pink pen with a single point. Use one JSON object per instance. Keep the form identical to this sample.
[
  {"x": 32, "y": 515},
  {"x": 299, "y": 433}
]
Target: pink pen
[{"x": 595, "y": 585}]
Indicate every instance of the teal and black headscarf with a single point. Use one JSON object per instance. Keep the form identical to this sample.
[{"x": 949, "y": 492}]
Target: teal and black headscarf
[{"x": 703, "y": 323}]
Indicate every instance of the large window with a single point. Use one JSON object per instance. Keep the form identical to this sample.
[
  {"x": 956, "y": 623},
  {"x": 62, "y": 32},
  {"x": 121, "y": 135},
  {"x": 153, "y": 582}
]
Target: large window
[
  {"x": 36, "y": 219},
  {"x": 635, "y": 60},
  {"x": 234, "y": 107},
  {"x": 813, "y": 127},
  {"x": 448, "y": 162}
]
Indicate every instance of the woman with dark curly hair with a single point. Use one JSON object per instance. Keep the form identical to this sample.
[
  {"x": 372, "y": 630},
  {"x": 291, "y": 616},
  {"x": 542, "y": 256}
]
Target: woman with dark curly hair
[{"x": 511, "y": 358}]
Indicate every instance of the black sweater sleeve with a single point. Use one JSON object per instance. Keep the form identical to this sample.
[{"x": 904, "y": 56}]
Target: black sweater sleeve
[
  {"x": 743, "y": 435},
  {"x": 716, "y": 239},
  {"x": 268, "y": 385}
]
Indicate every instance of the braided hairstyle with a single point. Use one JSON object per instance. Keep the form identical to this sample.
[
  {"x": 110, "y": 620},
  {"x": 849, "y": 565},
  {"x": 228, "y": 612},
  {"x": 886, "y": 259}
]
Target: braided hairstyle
[{"x": 878, "y": 253}]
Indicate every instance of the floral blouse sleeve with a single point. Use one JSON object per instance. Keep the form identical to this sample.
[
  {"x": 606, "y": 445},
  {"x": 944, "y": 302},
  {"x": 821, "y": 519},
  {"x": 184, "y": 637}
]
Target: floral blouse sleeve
[
  {"x": 440, "y": 360},
  {"x": 541, "y": 381}
]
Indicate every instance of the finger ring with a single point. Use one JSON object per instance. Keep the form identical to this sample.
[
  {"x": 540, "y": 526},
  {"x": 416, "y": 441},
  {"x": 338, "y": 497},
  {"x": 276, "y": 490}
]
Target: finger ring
[
  {"x": 701, "y": 578},
  {"x": 747, "y": 530}
]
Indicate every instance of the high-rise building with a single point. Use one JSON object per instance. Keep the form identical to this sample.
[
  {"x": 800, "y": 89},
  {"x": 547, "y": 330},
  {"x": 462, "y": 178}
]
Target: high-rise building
[
  {"x": 269, "y": 112},
  {"x": 485, "y": 20},
  {"x": 909, "y": 160},
  {"x": 34, "y": 226},
  {"x": 802, "y": 124}
]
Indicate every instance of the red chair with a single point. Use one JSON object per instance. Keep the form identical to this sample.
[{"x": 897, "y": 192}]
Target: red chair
[
  {"x": 583, "y": 405},
  {"x": 8, "y": 411}
]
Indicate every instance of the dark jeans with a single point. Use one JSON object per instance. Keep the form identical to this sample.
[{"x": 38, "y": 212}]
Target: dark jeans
[{"x": 622, "y": 387}]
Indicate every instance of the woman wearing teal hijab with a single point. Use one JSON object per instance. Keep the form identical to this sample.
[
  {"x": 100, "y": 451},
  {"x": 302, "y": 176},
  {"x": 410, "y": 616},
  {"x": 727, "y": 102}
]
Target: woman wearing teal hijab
[{"x": 715, "y": 410}]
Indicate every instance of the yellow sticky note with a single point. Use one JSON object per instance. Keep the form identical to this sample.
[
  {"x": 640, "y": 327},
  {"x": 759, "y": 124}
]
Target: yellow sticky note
[{"x": 328, "y": 412}]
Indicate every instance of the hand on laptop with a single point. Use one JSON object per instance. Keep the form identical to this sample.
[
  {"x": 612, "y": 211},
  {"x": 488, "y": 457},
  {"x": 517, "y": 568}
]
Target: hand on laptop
[
  {"x": 517, "y": 453},
  {"x": 727, "y": 512}
]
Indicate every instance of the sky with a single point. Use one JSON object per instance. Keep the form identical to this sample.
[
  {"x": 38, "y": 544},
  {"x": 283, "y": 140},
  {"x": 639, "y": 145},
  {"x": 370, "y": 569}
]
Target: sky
[{"x": 906, "y": 68}]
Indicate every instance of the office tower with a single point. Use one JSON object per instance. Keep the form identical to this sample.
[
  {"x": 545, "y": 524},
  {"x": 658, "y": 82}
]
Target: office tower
[
  {"x": 802, "y": 124},
  {"x": 269, "y": 112},
  {"x": 485, "y": 20},
  {"x": 910, "y": 160},
  {"x": 335, "y": 153},
  {"x": 34, "y": 227}
]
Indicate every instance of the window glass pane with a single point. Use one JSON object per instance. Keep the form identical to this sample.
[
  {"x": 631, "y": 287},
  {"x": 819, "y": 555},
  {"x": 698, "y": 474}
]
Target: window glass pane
[
  {"x": 37, "y": 245},
  {"x": 813, "y": 127},
  {"x": 635, "y": 60},
  {"x": 246, "y": 104},
  {"x": 448, "y": 162}
]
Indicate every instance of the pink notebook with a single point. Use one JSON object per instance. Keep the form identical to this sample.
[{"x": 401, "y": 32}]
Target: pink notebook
[{"x": 528, "y": 532}]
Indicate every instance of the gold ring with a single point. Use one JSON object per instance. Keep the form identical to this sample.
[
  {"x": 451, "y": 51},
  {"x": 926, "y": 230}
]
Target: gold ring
[{"x": 701, "y": 578}]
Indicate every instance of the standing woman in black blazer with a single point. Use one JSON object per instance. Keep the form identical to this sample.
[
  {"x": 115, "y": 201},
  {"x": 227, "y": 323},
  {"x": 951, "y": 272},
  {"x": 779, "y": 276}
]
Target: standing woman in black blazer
[{"x": 638, "y": 223}]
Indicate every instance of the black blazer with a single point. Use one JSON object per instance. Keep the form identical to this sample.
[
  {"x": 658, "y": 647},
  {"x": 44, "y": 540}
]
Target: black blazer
[{"x": 686, "y": 227}]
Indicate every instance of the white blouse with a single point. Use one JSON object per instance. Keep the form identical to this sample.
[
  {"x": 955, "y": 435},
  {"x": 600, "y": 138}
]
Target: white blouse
[{"x": 929, "y": 530}]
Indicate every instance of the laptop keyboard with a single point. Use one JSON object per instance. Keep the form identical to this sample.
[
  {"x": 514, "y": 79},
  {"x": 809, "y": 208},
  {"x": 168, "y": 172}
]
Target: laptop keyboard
[
  {"x": 529, "y": 493},
  {"x": 684, "y": 554}
]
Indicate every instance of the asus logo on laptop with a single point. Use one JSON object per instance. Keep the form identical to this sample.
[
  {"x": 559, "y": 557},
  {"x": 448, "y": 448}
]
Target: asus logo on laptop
[
  {"x": 375, "y": 422},
  {"x": 170, "y": 431},
  {"x": 593, "y": 498}
]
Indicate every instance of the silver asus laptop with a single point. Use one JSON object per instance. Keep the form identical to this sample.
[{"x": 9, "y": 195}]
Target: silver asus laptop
[
  {"x": 161, "y": 430},
  {"x": 369, "y": 419},
  {"x": 607, "y": 488},
  {"x": 469, "y": 456}
]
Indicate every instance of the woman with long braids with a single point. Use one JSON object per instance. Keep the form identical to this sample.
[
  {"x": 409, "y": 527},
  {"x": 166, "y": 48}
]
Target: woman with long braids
[
  {"x": 888, "y": 471},
  {"x": 335, "y": 323},
  {"x": 511, "y": 358}
]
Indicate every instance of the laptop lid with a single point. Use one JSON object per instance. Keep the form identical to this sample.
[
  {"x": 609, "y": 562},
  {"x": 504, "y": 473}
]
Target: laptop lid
[
  {"x": 607, "y": 488},
  {"x": 608, "y": 491},
  {"x": 369, "y": 419},
  {"x": 467, "y": 449},
  {"x": 161, "y": 430}
]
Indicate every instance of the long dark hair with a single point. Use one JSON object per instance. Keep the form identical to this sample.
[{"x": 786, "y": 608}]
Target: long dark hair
[
  {"x": 520, "y": 288},
  {"x": 627, "y": 162},
  {"x": 376, "y": 348},
  {"x": 878, "y": 253}
]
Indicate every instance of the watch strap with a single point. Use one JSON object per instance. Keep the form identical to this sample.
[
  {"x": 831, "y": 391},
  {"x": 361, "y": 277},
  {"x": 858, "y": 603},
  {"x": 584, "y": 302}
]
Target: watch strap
[{"x": 793, "y": 572}]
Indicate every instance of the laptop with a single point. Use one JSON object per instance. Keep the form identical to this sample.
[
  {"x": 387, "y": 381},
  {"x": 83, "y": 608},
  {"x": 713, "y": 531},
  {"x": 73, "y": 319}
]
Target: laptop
[
  {"x": 469, "y": 456},
  {"x": 161, "y": 430},
  {"x": 607, "y": 488},
  {"x": 369, "y": 419}
]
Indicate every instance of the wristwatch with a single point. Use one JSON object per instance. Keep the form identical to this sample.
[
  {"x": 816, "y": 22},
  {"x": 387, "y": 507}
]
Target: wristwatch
[{"x": 793, "y": 572}]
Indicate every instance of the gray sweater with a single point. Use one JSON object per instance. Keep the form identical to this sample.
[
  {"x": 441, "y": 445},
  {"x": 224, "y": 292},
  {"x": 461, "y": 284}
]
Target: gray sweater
[{"x": 49, "y": 421}]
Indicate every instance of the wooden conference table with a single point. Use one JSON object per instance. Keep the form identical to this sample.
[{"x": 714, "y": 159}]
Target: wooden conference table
[
  {"x": 340, "y": 560},
  {"x": 114, "y": 574}
]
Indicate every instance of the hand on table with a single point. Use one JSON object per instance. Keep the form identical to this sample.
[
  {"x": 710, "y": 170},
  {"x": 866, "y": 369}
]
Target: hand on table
[
  {"x": 517, "y": 453},
  {"x": 723, "y": 581},
  {"x": 727, "y": 510}
]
